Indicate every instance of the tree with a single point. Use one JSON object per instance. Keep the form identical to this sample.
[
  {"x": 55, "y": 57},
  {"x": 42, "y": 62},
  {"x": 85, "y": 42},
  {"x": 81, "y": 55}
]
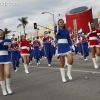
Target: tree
[
  {"x": 24, "y": 22},
  {"x": 6, "y": 31}
]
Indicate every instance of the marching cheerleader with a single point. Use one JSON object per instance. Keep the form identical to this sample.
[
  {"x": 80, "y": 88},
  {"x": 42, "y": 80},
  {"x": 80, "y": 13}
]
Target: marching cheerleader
[
  {"x": 31, "y": 52},
  {"x": 76, "y": 46},
  {"x": 94, "y": 44},
  {"x": 25, "y": 47},
  {"x": 42, "y": 47},
  {"x": 63, "y": 49},
  {"x": 14, "y": 55},
  {"x": 79, "y": 41},
  {"x": 47, "y": 47},
  {"x": 85, "y": 48},
  {"x": 37, "y": 55},
  {"x": 54, "y": 44},
  {"x": 5, "y": 64}
]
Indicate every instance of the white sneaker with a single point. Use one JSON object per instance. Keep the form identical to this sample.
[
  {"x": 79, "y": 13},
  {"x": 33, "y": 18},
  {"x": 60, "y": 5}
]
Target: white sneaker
[
  {"x": 95, "y": 66},
  {"x": 37, "y": 63},
  {"x": 86, "y": 59},
  {"x": 16, "y": 70},
  {"x": 49, "y": 65},
  {"x": 30, "y": 63}
]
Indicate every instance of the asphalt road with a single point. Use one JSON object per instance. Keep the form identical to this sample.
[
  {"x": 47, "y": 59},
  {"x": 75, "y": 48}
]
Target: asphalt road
[{"x": 44, "y": 83}]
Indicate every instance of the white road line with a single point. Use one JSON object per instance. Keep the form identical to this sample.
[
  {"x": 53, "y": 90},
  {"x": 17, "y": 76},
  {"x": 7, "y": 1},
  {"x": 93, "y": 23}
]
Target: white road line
[{"x": 84, "y": 71}]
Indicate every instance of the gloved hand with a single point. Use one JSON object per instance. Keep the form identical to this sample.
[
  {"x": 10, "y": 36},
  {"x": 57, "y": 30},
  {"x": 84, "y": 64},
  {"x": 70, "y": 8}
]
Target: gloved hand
[
  {"x": 28, "y": 48},
  {"x": 72, "y": 47}
]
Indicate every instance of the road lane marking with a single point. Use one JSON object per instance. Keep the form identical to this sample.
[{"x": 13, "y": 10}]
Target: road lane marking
[{"x": 84, "y": 71}]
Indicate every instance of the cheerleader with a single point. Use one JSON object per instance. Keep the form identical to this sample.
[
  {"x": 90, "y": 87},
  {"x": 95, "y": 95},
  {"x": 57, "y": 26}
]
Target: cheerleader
[
  {"x": 14, "y": 55},
  {"x": 76, "y": 46},
  {"x": 5, "y": 64},
  {"x": 85, "y": 48},
  {"x": 31, "y": 53},
  {"x": 42, "y": 47},
  {"x": 47, "y": 47},
  {"x": 94, "y": 44},
  {"x": 63, "y": 49},
  {"x": 36, "y": 45},
  {"x": 25, "y": 47},
  {"x": 54, "y": 44},
  {"x": 79, "y": 42}
]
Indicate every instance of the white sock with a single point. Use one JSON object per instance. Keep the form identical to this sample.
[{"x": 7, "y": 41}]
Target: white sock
[
  {"x": 94, "y": 62},
  {"x": 3, "y": 87},
  {"x": 62, "y": 70},
  {"x": 69, "y": 70},
  {"x": 8, "y": 81},
  {"x": 26, "y": 69}
]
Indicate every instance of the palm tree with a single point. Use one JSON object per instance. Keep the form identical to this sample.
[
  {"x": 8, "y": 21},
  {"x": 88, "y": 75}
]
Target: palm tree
[
  {"x": 24, "y": 22},
  {"x": 6, "y": 31}
]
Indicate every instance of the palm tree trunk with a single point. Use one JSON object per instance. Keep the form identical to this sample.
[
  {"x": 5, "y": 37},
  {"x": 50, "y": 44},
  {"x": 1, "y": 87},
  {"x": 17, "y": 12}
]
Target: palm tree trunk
[{"x": 24, "y": 30}]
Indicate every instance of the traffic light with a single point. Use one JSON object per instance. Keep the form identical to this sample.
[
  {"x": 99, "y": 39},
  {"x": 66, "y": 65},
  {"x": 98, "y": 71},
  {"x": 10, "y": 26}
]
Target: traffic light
[
  {"x": 49, "y": 32},
  {"x": 35, "y": 25}
]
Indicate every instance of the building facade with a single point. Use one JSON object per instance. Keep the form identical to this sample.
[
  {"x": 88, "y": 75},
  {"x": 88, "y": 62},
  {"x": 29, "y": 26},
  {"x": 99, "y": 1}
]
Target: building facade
[{"x": 78, "y": 18}]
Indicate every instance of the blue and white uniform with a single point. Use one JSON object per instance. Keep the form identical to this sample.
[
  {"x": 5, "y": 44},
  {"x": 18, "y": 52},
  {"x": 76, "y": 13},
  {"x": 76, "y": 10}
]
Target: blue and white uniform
[
  {"x": 79, "y": 41},
  {"x": 85, "y": 48},
  {"x": 48, "y": 49},
  {"x": 4, "y": 56},
  {"x": 15, "y": 55},
  {"x": 37, "y": 55},
  {"x": 64, "y": 42}
]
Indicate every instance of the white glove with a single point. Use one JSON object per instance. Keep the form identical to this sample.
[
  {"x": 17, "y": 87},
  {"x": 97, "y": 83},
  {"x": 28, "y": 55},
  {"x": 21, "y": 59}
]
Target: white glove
[
  {"x": 72, "y": 47},
  {"x": 1, "y": 40},
  {"x": 6, "y": 43},
  {"x": 28, "y": 48}
]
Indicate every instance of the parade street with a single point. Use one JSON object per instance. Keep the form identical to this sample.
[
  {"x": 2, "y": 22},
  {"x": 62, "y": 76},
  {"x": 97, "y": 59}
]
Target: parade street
[{"x": 44, "y": 83}]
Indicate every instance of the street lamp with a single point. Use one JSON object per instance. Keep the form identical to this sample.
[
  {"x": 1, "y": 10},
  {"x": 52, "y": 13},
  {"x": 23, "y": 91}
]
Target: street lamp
[
  {"x": 37, "y": 31},
  {"x": 50, "y": 14}
]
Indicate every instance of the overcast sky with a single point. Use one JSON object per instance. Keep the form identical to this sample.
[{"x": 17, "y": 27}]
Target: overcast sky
[{"x": 33, "y": 8}]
